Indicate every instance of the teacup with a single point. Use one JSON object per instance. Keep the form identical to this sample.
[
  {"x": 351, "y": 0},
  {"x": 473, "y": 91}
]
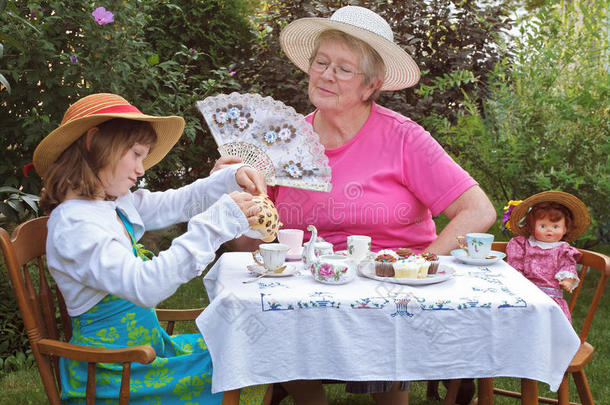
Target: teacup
[
  {"x": 273, "y": 254},
  {"x": 358, "y": 246},
  {"x": 478, "y": 245},
  {"x": 332, "y": 269},
  {"x": 293, "y": 238}
]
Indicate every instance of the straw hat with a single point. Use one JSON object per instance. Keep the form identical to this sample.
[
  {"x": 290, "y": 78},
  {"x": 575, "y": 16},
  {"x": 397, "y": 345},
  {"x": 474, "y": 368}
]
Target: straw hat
[
  {"x": 580, "y": 213},
  {"x": 298, "y": 42},
  {"x": 94, "y": 110}
]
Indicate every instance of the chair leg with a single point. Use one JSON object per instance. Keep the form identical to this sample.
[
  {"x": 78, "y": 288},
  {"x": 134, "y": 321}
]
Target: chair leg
[
  {"x": 582, "y": 385},
  {"x": 230, "y": 397},
  {"x": 563, "y": 393},
  {"x": 529, "y": 392},
  {"x": 452, "y": 392},
  {"x": 486, "y": 391}
]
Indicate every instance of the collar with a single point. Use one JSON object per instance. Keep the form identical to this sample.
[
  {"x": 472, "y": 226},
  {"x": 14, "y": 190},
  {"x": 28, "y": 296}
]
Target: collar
[{"x": 543, "y": 245}]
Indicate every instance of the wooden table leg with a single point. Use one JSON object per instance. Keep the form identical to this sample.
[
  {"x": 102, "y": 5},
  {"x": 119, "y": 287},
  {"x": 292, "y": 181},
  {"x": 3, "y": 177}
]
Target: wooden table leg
[
  {"x": 486, "y": 391},
  {"x": 529, "y": 392}
]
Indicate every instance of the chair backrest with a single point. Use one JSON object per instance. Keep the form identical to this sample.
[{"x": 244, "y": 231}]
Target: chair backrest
[
  {"x": 38, "y": 303},
  {"x": 589, "y": 261}
]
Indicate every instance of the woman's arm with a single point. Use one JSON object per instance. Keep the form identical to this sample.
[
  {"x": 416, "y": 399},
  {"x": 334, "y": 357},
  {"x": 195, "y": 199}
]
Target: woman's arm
[{"x": 470, "y": 212}]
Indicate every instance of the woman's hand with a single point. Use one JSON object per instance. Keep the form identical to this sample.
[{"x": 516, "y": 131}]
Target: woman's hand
[{"x": 247, "y": 205}]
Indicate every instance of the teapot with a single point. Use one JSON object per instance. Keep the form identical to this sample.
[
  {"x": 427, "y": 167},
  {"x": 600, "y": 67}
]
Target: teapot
[
  {"x": 320, "y": 247},
  {"x": 327, "y": 268}
]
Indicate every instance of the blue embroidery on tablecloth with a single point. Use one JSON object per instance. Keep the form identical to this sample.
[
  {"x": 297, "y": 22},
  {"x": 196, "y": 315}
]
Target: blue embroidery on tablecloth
[
  {"x": 439, "y": 305},
  {"x": 263, "y": 285},
  {"x": 319, "y": 299},
  {"x": 402, "y": 304},
  {"x": 270, "y": 304},
  {"x": 369, "y": 303}
]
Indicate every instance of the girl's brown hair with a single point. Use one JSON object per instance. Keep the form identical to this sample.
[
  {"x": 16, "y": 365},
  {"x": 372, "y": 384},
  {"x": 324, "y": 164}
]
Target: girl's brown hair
[
  {"x": 78, "y": 166},
  {"x": 551, "y": 210}
]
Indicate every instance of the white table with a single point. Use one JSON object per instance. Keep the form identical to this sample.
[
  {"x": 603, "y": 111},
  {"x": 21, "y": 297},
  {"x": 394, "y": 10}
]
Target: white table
[{"x": 486, "y": 321}]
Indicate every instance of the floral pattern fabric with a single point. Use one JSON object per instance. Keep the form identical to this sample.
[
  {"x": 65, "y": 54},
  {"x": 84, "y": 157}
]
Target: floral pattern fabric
[{"x": 544, "y": 267}]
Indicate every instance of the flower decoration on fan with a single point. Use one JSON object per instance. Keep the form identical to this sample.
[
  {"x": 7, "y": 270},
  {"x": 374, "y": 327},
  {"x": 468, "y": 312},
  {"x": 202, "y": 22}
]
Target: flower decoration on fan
[
  {"x": 508, "y": 210},
  {"x": 269, "y": 136}
]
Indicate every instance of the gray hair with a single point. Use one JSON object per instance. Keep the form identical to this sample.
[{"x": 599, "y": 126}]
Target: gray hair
[{"x": 371, "y": 64}]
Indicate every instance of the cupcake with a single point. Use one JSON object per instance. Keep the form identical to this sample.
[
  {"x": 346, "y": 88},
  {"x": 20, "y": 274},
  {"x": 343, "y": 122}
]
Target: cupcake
[
  {"x": 433, "y": 260},
  {"x": 383, "y": 263},
  {"x": 405, "y": 269}
]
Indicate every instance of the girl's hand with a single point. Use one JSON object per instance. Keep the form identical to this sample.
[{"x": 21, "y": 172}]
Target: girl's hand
[
  {"x": 567, "y": 284},
  {"x": 224, "y": 161},
  {"x": 251, "y": 180},
  {"x": 247, "y": 205}
]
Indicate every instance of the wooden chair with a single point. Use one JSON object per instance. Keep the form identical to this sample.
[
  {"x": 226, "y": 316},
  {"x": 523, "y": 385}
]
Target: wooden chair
[
  {"x": 23, "y": 255},
  {"x": 590, "y": 261}
]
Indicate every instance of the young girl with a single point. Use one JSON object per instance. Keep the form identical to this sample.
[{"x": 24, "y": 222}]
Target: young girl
[
  {"x": 110, "y": 285},
  {"x": 544, "y": 224}
]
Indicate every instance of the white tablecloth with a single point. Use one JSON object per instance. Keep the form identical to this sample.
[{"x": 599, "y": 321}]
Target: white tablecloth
[{"x": 486, "y": 321}]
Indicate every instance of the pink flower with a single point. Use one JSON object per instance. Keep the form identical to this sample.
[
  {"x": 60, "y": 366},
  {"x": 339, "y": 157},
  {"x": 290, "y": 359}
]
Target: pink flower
[
  {"x": 326, "y": 270},
  {"x": 232, "y": 73},
  {"x": 102, "y": 16}
]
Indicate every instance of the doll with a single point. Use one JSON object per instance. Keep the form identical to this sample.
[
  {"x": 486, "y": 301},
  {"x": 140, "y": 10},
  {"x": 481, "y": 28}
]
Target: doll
[{"x": 543, "y": 225}]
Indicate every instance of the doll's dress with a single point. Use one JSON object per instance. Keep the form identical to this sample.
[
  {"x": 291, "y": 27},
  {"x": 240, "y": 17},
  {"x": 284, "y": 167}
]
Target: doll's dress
[
  {"x": 544, "y": 264},
  {"x": 180, "y": 374}
]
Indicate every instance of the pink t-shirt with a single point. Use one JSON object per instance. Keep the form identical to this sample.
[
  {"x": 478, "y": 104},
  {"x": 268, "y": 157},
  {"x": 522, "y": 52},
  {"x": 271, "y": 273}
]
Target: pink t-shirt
[{"x": 387, "y": 183}]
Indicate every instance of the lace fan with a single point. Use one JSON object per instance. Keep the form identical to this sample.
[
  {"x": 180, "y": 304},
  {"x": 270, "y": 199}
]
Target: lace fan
[{"x": 269, "y": 136}]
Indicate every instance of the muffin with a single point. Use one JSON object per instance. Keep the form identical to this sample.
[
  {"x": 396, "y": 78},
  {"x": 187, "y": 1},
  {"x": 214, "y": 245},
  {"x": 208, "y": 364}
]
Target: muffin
[
  {"x": 383, "y": 263},
  {"x": 433, "y": 260},
  {"x": 405, "y": 269}
]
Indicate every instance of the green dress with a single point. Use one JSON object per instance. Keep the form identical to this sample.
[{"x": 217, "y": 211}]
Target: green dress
[{"x": 180, "y": 374}]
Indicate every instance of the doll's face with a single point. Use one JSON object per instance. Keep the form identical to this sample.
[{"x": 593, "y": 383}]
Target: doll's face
[{"x": 549, "y": 231}]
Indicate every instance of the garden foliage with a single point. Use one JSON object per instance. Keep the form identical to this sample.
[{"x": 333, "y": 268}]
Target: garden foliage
[{"x": 545, "y": 122}]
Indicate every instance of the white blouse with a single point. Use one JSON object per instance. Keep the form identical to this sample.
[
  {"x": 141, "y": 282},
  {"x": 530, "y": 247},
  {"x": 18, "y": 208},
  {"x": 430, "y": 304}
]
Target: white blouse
[{"x": 90, "y": 256}]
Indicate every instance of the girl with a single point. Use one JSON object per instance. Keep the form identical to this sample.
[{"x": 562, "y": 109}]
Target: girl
[
  {"x": 110, "y": 285},
  {"x": 544, "y": 224}
]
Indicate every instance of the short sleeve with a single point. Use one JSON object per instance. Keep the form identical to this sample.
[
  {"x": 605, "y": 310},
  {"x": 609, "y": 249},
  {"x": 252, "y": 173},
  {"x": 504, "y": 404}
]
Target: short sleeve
[{"x": 567, "y": 261}]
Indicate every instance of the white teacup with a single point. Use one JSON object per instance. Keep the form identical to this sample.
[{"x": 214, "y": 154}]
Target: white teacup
[
  {"x": 478, "y": 245},
  {"x": 273, "y": 254},
  {"x": 358, "y": 246},
  {"x": 293, "y": 238}
]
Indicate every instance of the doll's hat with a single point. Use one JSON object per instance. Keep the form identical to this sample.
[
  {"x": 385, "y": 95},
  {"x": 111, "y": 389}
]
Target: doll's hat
[
  {"x": 298, "y": 41},
  {"x": 580, "y": 213},
  {"x": 95, "y": 109}
]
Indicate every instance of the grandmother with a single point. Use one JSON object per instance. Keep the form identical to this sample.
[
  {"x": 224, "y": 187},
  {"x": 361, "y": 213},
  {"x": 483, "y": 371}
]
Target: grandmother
[{"x": 389, "y": 176}]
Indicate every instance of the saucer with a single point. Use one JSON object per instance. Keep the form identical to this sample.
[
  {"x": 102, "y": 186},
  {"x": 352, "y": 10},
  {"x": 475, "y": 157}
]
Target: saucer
[
  {"x": 288, "y": 271},
  {"x": 463, "y": 257}
]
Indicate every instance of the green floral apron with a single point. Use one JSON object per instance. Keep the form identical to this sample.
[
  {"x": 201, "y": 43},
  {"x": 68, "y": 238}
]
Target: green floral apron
[{"x": 180, "y": 374}]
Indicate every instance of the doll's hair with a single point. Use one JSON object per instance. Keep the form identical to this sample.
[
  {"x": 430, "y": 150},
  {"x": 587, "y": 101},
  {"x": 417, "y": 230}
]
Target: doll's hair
[
  {"x": 551, "y": 210},
  {"x": 78, "y": 166}
]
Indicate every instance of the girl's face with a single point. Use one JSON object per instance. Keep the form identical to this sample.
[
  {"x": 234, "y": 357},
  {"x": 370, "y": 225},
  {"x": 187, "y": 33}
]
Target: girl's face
[
  {"x": 117, "y": 182},
  {"x": 327, "y": 91},
  {"x": 549, "y": 231}
]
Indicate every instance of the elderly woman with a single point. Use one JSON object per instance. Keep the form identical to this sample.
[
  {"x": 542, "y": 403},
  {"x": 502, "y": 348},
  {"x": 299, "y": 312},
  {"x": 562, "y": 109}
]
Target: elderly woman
[{"x": 389, "y": 176}]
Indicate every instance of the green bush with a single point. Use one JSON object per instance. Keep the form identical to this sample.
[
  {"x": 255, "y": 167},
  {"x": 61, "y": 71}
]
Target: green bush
[
  {"x": 544, "y": 124},
  {"x": 162, "y": 56}
]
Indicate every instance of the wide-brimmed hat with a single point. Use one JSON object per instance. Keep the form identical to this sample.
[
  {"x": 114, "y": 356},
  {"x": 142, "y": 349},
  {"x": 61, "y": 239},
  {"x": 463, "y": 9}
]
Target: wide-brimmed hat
[
  {"x": 95, "y": 109},
  {"x": 580, "y": 213},
  {"x": 298, "y": 42}
]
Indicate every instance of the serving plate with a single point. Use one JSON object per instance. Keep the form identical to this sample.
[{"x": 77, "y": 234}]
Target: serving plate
[
  {"x": 443, "y": 273},
  {"x": 462, "y": 256}
]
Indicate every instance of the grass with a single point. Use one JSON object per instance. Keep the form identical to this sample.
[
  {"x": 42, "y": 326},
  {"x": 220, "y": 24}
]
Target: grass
[{"x": 24, "y": 386}]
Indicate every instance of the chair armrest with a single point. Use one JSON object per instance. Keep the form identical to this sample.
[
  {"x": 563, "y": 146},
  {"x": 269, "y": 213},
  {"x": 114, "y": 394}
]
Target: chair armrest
[
  {"x": 141, "y": 354},
  {"x": 178, "y": 314}
]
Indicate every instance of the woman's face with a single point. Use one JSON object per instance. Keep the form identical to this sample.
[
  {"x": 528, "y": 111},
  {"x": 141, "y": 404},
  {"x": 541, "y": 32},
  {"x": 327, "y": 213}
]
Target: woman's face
[
  {"x": 118, "y": 182},
  {"x": 549, "y": 231},
  {"x": 329, "y": 93}
]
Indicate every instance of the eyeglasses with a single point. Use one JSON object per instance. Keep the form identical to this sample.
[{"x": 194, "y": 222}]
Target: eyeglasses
[{"x": 341, "y": 72}]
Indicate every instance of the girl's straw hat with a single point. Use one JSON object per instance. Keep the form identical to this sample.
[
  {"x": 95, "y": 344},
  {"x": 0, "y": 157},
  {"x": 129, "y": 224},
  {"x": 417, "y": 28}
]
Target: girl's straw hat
[
  {"x": 298, "y": 40},
  {"x": 95, "y": 109},
  {"x": 580, "y": 213}
]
